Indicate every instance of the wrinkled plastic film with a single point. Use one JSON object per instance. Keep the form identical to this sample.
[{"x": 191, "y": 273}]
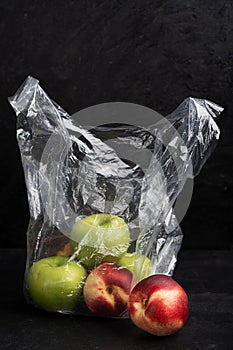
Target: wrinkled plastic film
[
  {"x": 72, "y": 172},
  {"x": 179, "y": 160}
]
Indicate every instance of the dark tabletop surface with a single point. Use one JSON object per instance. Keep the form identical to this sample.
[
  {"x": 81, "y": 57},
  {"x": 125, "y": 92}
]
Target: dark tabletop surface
[{"x": 205, "y": 275}]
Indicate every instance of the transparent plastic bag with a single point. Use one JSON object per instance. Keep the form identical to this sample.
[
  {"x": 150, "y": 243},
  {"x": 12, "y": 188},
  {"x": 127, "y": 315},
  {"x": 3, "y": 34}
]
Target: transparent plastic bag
[{"x": 88, "y": 206}]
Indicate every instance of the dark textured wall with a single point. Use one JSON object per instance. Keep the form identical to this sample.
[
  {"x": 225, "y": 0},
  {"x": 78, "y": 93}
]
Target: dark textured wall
[{"x": 153, "y": 53}]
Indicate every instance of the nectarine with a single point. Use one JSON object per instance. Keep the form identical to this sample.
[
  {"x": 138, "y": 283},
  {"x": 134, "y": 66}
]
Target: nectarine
[
  {"x": 107, "y": 290},
  {"x": 158, "y": 305}
]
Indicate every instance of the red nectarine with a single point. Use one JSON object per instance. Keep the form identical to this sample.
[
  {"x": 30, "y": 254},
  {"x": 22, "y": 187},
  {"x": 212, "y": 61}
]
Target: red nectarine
[
  {"x": 107, "y": 290},
  {"x": 158, "y": 305}
]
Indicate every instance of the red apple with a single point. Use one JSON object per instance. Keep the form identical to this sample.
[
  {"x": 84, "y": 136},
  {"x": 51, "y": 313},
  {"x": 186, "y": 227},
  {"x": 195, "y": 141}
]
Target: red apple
[
  {"x": 107, "y": 290},
  {"x": 158, "y": 305}
]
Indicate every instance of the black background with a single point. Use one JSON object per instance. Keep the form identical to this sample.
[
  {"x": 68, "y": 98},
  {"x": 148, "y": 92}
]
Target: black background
[{"x": 154, "y": 53}]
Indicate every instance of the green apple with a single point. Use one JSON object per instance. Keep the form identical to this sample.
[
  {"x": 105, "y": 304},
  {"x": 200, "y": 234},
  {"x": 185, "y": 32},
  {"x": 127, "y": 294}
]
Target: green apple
[
  {"x": 55, "y": 283},
  {"x": 99, "y": 237},
  {"x": 137, "y": 264}
]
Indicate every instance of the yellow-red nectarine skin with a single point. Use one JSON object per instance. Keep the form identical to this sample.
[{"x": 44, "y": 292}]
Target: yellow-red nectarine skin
[
  {"x": 107, "y": 290},
  {"x": 158, "y": 305}
]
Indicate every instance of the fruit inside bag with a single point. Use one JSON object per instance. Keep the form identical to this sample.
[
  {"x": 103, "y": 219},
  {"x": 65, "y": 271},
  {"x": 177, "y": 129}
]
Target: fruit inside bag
[{"x": 100, "y": 223}]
